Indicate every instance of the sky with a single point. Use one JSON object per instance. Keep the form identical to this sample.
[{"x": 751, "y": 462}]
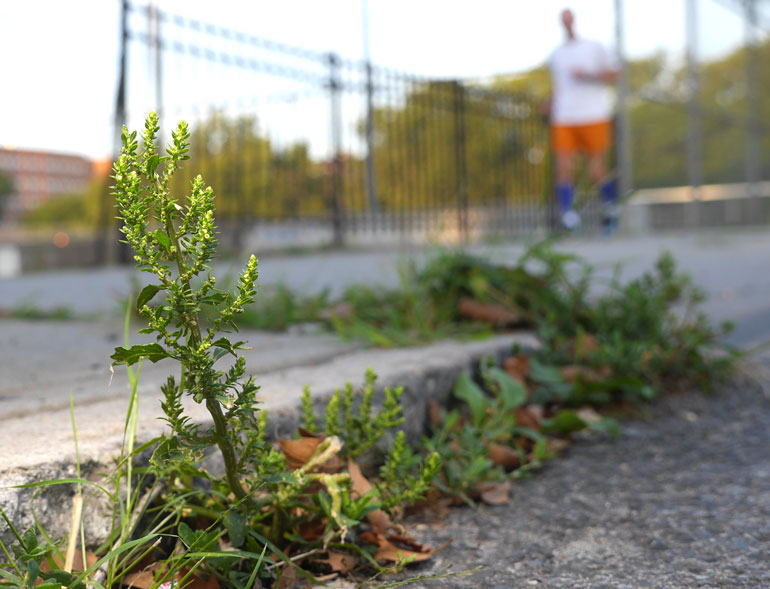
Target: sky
[{"x": 59, "y": 59}]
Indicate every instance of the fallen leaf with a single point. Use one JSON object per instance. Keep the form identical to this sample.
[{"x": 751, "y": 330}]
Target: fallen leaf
[
  {"x": 288, "y": 578},
  {"x": 502, "y": 455},
  {"x": 588, "y": 414},
  {"x": 312, "y": 530},
  {"x": 529, "y": 417},
  {"x": 585, "y": 345},
  {"x": 197, "y": 582},
  {"x": 340, "y": 562},
  {"x": 486, "y": 312},
  {"x": 495, "y": 493},
  {"x": 147, "y": 577},
  {"x": 557, "y": 445},
  {"x": 517, "y": 367},
  {"x": 77, "y": 561},
  {"x": 361, "y": 486},
  {"x": 434, "y": 414},
  {"x": 573, "y": 372},
  {"x": 389, "y": 552},
  {"x": 298, "y": 452}
]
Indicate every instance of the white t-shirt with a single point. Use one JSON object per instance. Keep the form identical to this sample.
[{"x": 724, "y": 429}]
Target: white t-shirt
[{"x": 574, "y": 101}]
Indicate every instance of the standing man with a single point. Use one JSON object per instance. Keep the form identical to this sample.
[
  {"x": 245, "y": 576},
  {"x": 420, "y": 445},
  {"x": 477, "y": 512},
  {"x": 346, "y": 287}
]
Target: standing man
[{"x": 580, "y": 115}]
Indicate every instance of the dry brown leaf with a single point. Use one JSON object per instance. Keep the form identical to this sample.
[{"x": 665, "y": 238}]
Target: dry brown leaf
[
  {"x": 77, "y": 562},
  {"x": 495, "y": 493},
  {"x": 588, "y": 414},
  {"x": 585, "y": 345},
  {"x": 434, "y": 414},
  {"x": 557, "y": 445},
  {"x": 361, "y": 486},
  {"x": 504, "y": 456},
  {"x": 195, "y": 581},
  {"x": 573, "y": 372},
  {"x": 298, "y": 452},
  {"x": 312, "y": 530},
  {"x": 529, "y": 416},
  {"x": 288, "y": 578},
  {"x": 486, "y": 312},
  {"x": 147, "y": 577},
  {"x": 389, "y": 552},
  {"x": 340, "y": 562},
  {"x": 517, "y": 367}
]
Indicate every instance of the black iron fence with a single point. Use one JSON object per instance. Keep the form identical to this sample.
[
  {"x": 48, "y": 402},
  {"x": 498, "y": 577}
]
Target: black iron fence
[{"x": 290, "y": 135}]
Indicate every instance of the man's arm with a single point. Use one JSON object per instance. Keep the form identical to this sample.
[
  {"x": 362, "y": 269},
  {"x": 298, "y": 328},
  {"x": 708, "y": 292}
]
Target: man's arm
[{"x": 604, "y": 76}]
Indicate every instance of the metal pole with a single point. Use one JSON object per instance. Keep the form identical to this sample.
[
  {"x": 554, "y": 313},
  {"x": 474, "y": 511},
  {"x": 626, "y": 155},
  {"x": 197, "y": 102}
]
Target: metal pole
[
  {"x": 694, "y": 132},
  {"x": 371, "y": 184},
  {"x": 113, "y": 250},
  {"x": 623, "y": 147},
  {"x": 336, "y": 133},
  {"x": 460, "y": 161},
  {"x": 158, "y": 51},
  {"x": 752, "y": 108}
]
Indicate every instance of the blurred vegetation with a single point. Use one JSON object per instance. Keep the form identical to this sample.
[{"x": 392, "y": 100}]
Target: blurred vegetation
[{"x": 416, "y": 155}]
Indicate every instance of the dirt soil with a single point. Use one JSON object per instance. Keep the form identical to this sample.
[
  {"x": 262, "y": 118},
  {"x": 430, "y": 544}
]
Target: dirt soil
[{"x": 681, "y": 500}]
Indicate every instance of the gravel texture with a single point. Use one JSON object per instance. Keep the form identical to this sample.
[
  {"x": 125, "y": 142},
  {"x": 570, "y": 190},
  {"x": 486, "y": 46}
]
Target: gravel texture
[{"x": 681, "y": 500}]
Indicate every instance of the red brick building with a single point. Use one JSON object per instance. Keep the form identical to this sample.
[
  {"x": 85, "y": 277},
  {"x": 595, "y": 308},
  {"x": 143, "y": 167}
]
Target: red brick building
[{"x": 39, "y": 176}]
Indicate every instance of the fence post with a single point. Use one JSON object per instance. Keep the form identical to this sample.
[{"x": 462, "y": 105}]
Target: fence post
[
  {"x": 624, "y": 127},
  {"x": 336, "y": 135},
  {"x": 371, "y": 184},
  {"x": 461, "y": 167},
  {"x": 694, "y": 134},
  {"x": 753, "y": 122},
  {"x": 111, "y": 249}
]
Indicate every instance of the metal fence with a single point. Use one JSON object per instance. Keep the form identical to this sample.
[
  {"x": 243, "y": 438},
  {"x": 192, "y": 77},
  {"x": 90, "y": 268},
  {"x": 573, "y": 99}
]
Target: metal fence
[{"x": 286, "y": 135}]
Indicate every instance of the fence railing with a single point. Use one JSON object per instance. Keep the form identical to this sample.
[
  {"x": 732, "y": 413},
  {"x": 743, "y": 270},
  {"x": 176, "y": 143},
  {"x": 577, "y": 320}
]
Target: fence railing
[{"x": 291, "y": 134}]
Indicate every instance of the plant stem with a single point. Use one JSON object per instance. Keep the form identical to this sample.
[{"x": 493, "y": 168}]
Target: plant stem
[{"x": 227, "y": 450}]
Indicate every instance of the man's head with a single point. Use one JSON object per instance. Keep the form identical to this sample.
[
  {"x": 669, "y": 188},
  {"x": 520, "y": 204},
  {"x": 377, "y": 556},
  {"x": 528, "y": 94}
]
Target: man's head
[{"x": 568, "y": 21}]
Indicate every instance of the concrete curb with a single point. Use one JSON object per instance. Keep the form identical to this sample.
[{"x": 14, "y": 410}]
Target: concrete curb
[{"x": 425, "y": 373}]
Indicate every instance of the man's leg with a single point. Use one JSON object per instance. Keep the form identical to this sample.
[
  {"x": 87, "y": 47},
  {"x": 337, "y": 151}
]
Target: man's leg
[
  {"x": 565, "y": 189},
  {"x": 598, "y": 142},
  {"x": 608, "y": 191}
]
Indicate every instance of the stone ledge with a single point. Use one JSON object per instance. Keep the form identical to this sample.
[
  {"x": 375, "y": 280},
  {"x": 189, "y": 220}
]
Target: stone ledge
[{"x": 41, "y": 447}]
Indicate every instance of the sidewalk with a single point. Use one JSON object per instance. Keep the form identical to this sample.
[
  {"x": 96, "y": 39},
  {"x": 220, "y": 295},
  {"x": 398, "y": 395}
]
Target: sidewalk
[
  {"x": 732, "y": 266},
  {"x": 42, "y": 363}
]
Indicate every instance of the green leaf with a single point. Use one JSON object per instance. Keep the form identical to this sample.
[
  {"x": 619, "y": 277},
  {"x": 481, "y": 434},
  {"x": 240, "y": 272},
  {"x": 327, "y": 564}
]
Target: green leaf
[
  {"x": 512, "y": 391},
  {"x": 564, "y": 422},
  {"x": 235, "y": 523},
  {"x": 186, "y": 534},
  {"x": 468, "y": 391},
  {"x": 162, "y": 239},
  {"x": 544, "y": 374},
  {"x": 146, "y": 295},
  {"x": 152, "y": 164},
  {"x": 132, "y": 355},
  {"x": 606, "y": 424}
]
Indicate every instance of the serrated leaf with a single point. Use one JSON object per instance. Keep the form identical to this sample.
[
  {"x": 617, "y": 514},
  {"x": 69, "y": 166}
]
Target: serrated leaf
[
  {"x": 132, "y": 355},
  {"x": 148, "y": 292},
  {"x": 186, "y": 534}
]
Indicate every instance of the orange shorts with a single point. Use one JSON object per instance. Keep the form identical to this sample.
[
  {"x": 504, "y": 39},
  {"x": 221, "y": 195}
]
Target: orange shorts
[{"x": 594, "y": 139}]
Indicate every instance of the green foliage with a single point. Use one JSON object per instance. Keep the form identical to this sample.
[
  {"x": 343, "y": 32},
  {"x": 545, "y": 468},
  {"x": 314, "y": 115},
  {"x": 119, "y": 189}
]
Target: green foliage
[
  {"x": 175, "y": 244},
  {"x": 350, "y": 416}
]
